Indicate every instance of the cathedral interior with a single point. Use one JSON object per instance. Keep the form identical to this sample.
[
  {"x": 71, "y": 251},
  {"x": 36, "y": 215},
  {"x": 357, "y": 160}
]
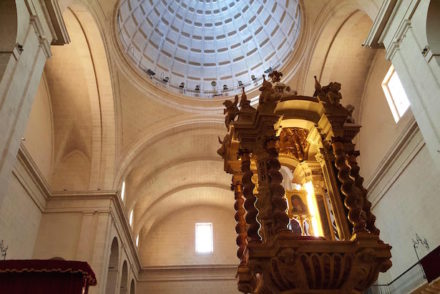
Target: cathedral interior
[{"x": 122, "y": 123}]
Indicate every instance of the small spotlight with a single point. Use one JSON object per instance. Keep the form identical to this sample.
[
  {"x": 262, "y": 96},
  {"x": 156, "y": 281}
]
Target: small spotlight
[
  {"x": 165, "y": 79},
  {"x": 182, "y": 85},
  {"x": 253, "y": 77},
  {"x": 225, "y": 87},
  {"x": 150, "y": 72},
  {"x": 240, "y": 83},
  {"x": 197, "y": 88}
]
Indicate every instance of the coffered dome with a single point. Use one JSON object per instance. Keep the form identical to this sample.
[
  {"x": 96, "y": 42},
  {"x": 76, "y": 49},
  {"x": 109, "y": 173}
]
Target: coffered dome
[{"x": 208, "y": 48}]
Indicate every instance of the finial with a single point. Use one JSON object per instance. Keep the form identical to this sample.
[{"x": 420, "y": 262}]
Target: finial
[{"x": 317, "y": 84}]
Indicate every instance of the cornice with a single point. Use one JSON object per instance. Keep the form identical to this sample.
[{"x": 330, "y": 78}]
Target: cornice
[
  {"x": 379, "y": 24},
  {"x": 86, "y": 202},
  {"x": 188, "y": 273},
  {"x": 57, "y": 25},
  {"x": 30, "y": 177},
  {"x": 47, "y": 21}
]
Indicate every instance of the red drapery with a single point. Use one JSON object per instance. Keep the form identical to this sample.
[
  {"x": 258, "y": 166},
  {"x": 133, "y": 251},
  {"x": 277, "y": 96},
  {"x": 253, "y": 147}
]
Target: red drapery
[
  {"x": 431, "y": 264},
  {"x": 45, "y": 277}
]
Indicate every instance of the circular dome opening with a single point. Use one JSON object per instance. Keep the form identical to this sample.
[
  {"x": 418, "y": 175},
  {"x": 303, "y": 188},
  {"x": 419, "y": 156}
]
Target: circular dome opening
[{"x": 208, "y": 48}]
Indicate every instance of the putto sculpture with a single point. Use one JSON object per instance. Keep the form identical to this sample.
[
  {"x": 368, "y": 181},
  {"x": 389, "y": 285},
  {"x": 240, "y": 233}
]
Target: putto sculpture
[{"x": 317, "y": 234}]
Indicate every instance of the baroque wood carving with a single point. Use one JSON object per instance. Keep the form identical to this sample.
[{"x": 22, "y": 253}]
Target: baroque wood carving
[{"x": 341, "y": 252}]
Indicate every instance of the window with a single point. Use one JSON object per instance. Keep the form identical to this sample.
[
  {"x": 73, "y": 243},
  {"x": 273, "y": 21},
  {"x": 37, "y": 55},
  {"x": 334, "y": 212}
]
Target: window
[
  {"x": 123, "y": 191},
  {"x": 137, "y": 241},
  {"x": 130, "y": 219},
  {"x": 204, "y": 243},
  {"x": 395, "y": 94}
]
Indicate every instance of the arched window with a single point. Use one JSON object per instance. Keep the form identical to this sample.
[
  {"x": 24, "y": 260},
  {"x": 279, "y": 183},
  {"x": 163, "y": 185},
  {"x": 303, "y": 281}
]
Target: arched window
[
  {"x": 395, "y": 94},
  {"x": 123, "y": 191},
  {"x": 130, "y": 218}
]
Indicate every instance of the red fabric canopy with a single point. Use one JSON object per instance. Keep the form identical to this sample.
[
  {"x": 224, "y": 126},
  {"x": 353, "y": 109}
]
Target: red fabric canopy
[{"x": 45, "y": 277}]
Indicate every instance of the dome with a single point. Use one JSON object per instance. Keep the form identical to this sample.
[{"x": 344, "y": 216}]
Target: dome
[{"x": 208, "y": 48}]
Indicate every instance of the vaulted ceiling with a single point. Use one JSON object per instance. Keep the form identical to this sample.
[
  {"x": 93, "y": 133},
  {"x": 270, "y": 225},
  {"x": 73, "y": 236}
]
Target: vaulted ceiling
[{"x": 111, "y": 118}]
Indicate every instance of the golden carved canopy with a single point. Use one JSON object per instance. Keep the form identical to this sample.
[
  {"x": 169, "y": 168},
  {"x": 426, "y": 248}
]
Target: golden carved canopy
[{"x": 317, "y": 235}]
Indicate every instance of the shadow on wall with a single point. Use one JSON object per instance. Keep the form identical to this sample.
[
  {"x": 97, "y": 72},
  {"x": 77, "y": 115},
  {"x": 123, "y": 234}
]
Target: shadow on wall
[{"x": 8, "y": 33}]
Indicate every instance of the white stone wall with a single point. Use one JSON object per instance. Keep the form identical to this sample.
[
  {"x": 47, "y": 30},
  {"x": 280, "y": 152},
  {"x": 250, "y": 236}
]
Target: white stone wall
[
  {"x": 19, "y": 219},
  {"x": 172, "y": 241}
]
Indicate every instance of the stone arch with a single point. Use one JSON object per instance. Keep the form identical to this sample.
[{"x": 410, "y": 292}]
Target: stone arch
[
  {"x": 84, "y": 117},
  {"x": 113, "y": 267},
  {"x": 132, "y": 287},
  {"x": 123, "y": 288},
  {"x": 339, "y": 50},
  {"x": 432, "y": 26}
]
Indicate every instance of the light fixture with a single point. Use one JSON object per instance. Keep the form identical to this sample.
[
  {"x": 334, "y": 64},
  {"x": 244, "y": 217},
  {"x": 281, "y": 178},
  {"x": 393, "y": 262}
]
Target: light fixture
[
  {"x": 225, "y": 87},
  {"x": 197, "y": 88},
  {"x": 150, "y": 73},
  {"x": 182, "y": 85}
]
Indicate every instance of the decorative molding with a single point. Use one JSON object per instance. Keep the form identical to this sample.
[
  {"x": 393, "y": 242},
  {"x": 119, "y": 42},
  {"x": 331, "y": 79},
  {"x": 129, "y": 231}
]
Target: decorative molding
[
  {"x": 86, "y": 202},
  {"x": 404, "y": 26},
  {"x": 37, "y": 23},
  {"x": 30, "y": 177},
  {"x": 395, "y": 162},
  {"x": 379, "y": 24},
  {"x": 188, "y": 273},
  {"x": 57, "y": 25},
  {"x": 48, "y": 17},
  {"x": 402, "y": 29}
]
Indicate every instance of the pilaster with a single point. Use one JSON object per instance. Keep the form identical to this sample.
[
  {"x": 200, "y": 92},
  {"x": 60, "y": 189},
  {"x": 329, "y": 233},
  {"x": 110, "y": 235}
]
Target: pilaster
[
  {"x": 20, "y": 80},
  {"x": 401, "y": 28}
]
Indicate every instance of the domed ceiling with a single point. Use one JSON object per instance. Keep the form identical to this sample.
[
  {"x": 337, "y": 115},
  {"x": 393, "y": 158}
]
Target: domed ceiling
[{"x": 208, "y": 48}]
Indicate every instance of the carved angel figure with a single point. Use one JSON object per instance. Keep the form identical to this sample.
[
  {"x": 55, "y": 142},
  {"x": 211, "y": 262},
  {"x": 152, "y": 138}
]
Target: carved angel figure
[
  {"x": 222, "y": 150},
  {"x": 329, "y": 93},
  {"x": 275, "y": 76},
  {"x": 230, "y": 111}
]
